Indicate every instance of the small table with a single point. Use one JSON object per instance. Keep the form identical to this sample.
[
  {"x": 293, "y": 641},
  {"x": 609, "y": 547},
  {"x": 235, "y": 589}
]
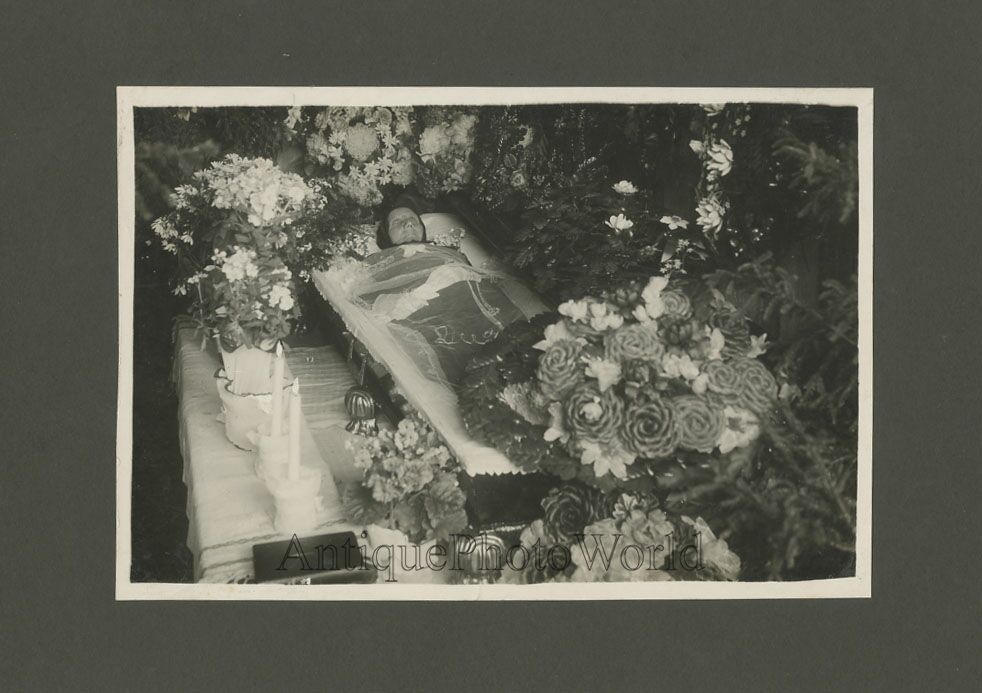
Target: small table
[{"x": 228, "y": 507}]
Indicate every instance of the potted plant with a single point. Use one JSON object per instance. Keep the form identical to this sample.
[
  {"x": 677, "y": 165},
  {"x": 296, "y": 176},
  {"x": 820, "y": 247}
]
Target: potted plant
[
  {"x": 242, "y": 233},
  {"x": 236, "y": 235}
]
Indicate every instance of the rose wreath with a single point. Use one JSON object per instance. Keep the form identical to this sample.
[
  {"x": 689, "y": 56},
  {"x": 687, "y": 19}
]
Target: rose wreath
[{"x": 621, "y": 389}]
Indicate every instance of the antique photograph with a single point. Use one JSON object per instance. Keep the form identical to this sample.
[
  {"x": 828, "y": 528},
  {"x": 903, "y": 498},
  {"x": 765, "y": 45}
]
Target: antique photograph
[{"x": 494, "y": 343}]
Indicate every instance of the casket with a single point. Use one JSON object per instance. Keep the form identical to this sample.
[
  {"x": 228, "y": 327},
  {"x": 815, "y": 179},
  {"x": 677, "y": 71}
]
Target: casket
[{"x": 500, "y": 495}]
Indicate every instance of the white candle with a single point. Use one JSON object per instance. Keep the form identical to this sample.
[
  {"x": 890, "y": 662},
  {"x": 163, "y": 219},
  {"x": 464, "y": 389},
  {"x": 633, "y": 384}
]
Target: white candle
[
  {"x": 295, "y": 418},
  {"x": 278, "y": 365}
]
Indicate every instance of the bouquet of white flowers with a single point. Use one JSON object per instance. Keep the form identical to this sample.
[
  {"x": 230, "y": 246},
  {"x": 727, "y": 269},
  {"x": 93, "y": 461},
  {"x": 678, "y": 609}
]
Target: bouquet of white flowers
[{"x": 235, "y": 232}]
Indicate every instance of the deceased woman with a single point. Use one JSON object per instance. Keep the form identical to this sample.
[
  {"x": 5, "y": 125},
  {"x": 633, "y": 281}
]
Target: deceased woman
[
  {"x": 401, "y": 224},
  {"x": 436, "y": 305}
]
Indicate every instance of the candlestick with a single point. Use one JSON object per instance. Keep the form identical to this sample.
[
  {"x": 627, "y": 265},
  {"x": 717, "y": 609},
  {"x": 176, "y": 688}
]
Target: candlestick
[
  {"x": 297, "y": 502},
  {"x": 278, "y": 366},
  {"x": 295, "y": 417}
]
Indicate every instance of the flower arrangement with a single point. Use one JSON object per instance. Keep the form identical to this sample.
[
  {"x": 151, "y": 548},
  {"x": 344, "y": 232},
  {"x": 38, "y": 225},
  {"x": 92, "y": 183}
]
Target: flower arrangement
[
  {"x": 410, "y": 483},
  {"x": 364, "y": 149},
  {"x": 622, "y": 387},
  {"x": 235, "y": 195},
  {"x": 586, "y": 535},
  {"x": 444, "y": 148},
  {"x": 236, "y": 229}
]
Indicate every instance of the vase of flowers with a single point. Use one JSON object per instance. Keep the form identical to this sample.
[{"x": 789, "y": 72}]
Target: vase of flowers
[
  {"x": 237, "y": 228},
  {"x": 249, "y": 304},
  {"x": 240, "y": 229}
]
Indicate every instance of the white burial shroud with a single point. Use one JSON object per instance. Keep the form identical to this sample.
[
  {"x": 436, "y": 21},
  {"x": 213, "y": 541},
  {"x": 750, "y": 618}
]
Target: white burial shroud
[{"x": 434, "y": 400}]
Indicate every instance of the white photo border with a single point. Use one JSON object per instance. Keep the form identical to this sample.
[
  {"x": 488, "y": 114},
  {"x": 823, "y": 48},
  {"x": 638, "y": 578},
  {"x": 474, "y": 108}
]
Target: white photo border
[{"x": 129, "y": 98}]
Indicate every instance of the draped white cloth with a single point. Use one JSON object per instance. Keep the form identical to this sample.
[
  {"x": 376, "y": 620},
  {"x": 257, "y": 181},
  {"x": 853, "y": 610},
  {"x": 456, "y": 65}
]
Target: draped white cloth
[
  {"x": 228, "y": 506},
  {"x": 397, "y": 349}
]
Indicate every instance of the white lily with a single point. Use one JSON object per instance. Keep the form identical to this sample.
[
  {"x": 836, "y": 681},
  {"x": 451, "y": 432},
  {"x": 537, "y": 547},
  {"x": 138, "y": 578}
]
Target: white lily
[
  {"x": 679, "y": 367},
  {"x": 758, "y": 345},
  {"x": 606, "y": 321},
  {"x": 742, "y": 428},
  {"x": 556, "y": 430},
  {"x": 619, "y": 223},
  {"x": 651, "y": 296},
  {"x": 604, "y": 461},
  {"x": 674, "y": 222}
]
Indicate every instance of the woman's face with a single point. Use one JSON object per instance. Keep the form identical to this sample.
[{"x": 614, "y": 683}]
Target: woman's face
[{"x": 405, "y": 226}]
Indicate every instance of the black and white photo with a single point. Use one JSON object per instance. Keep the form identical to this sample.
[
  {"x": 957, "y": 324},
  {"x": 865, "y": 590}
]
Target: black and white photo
[{"x": 509, "y": 343}]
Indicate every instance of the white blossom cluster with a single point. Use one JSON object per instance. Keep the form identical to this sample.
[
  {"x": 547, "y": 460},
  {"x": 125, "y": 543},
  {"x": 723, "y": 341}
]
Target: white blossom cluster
[
  {"x": 280, "y": 295},
  {"x": 710, "y": 212},
  {"x": 597, "y": 314},
  {"x": 239, "y": 265},
  {"x": 717, "y": 162},
  {"x": 255, "y": 187}
]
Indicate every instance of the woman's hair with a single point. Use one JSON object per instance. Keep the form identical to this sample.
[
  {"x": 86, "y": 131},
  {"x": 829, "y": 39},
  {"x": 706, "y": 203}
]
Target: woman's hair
[{"x": 382, "y": 235}]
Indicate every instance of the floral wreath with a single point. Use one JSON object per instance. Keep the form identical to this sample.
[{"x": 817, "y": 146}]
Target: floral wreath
[
  {"x": 364, "y": 148},
  {"x": 621, "y": 389}
]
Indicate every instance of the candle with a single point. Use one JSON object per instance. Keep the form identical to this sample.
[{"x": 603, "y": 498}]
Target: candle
[
  {"x": 293, "y": 471},
  {"x": 278, "y": 365}
]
